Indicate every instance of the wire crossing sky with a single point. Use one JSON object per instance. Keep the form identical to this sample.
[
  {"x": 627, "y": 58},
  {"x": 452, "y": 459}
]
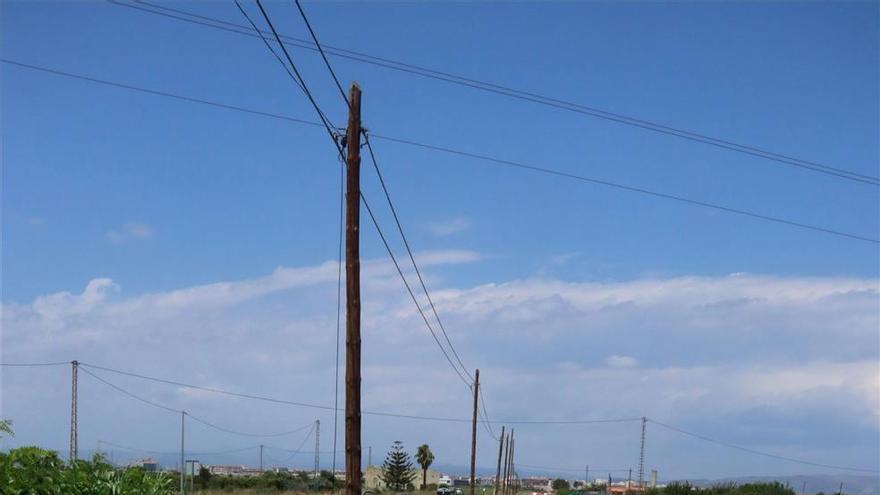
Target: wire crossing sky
[{"x": 679, "y": 222}]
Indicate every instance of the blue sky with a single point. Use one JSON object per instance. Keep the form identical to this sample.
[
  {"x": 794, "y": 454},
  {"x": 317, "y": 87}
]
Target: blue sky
[{"x": 158, "y": 195}]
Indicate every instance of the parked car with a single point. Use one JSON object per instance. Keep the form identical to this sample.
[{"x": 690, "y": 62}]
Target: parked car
[{"x": 445, "y": 490}]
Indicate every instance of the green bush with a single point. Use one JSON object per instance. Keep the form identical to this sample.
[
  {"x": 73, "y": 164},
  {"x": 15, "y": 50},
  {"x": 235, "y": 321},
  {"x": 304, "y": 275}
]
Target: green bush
[{"x": 34, "y": 471}]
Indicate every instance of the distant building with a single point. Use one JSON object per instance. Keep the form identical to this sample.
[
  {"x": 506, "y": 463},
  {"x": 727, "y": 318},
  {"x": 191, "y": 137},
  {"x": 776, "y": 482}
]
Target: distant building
[
  {"x": 149, "y": 465},
  {"x": 373, "y": 478},
  {"x": 624, "y": 488},
  {"x": 234, "y": 471},
  {"x": 537, "y": 483}
]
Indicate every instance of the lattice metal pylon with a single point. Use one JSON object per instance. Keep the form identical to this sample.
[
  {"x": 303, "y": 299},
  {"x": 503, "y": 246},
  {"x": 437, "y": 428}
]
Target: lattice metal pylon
[
  {"x": 73, "y": 434},
  {"x": 642, "y": 456}
]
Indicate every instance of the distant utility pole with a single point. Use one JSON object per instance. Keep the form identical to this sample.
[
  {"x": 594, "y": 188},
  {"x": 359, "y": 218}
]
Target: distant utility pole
[
  {"x": 642, "y": 455},
  {"x": 261, "y": 458},
  {"x": 73, "y": 439},
  {"x": 587, "y": 476},
  {"x": 474, "y": 433},
  {"x": 511, "y": 489},
  {"x": 317, "y": 447},
  {"x": 182, "y": 469},
  {"x": 353, "y": 297},
  {"x": 370, "y": 455},
  {"x": 629, "y": 479},
  {"x": 840, "y": 490},
  {"x": 498, "y": 470},
  {"x": 506, "y": 463}
]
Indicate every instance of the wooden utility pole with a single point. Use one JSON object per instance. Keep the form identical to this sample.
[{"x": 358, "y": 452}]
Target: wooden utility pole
[
  {"x": 509, "y": 477},
  {"x": 182, "y": 462},
  {"x": 506, "y": 462},
  {"x": 474, "y": 432},
  {"x": 500, "y": 452},
  {"x": 512, "y": 472},
  {"x": 353, "y": 297}
]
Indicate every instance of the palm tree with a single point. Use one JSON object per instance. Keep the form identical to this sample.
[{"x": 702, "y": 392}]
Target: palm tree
[
  {"x": 6, "y": 428},
  {"x": 425, "y": 457}
]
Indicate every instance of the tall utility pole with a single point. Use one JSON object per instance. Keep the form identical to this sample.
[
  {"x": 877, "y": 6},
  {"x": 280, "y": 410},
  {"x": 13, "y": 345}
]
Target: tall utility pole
[
  {"x": 506, "y": 463},
  {"x": 182, "y": 470},
  {"x": 73, "y": 439},
  {"x": 261, "y": 458},
  {"x": 500, "y": 452},
  {"x": 317, "y": 447},
  {"x": 642, "y": 455},
  {"x": 474, "y": 433},
  {"x": 512, "y": 441},
  {"x": 353, "y": 297},
  {"x": 513, "y": 480}
]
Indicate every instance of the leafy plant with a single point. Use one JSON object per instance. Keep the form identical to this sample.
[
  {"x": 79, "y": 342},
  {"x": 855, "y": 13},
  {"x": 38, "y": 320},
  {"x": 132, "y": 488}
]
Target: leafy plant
[
  {"x": 397, "y": 470},
  {"x": 424, "y": 457}
]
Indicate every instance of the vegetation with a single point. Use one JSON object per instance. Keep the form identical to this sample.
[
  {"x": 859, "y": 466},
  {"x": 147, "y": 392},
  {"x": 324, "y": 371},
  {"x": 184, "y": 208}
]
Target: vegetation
[
  {"x": 6, "y": 428},
  {"x": 424, "y": 457},
  {"x": 31, "y": 470},
  {"x": 397, "y": 470},
  {"x": 270, "y": 481},
  {"x": 560, "y": 484},
  {"x": 678, "y": 488}
]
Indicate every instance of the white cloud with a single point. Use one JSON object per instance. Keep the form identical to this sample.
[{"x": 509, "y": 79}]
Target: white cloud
[
  {"x": 616, "y": 361},
  {"x": 449, "y": 227},
  {"x": 717, "y": 351},
  {"x": 129, "y": 231}
]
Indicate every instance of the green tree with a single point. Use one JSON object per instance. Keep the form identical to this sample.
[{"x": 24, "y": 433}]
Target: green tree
[
  {"x": 397, "y": 470},
  {"x": 425, "y": 457},
  {"x": 204, "y": 476},
  {"x": 678, "y": 488},
  {"x": 772, "y": 488},
  {"x": 560, "y": 484},
  {"x": 6, "y": 428}
]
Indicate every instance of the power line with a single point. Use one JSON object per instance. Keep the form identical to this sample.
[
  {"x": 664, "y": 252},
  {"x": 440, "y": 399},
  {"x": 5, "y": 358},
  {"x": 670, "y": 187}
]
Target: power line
[
  {"x": 573, "y": 470},
  {"x": 410, "y": 291},
  {"x": 321, "y": 50},
  {"x": 519, "y": 94},
  {"x": 476, "y": 156},
  {"x": 159, "y": 452},
  {"x": 372, "y": 413},
  {"x": 393, "y": 210},
  {"x": 133, "y": 396},
  {"x": 299, "y": 449},
  {"x": 191, "y": 416},
  {"x": 35, "y": 365},
  {"x": 327, "y": 124},
  {"x": 758, "y": 452},
  {"x": 412, "y": 258},
  {"x": 268, "y": 46},
  {"x": 485, "y": 416},
  {"x": 245, "y": 434},
  {"x": 338, "y": 308},
  {"x": 640, "y": 190},
  {"x": 297, "y": 78}
]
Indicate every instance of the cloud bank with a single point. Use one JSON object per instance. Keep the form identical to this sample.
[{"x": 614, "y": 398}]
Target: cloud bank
[{"x": 783, "y": 364}]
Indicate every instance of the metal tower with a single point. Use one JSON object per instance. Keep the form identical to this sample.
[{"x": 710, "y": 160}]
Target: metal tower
[
  {"x": 642, "y": 455},
  {"x": 317, "y": 447},
  {"x": 73, "y": 438}
]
